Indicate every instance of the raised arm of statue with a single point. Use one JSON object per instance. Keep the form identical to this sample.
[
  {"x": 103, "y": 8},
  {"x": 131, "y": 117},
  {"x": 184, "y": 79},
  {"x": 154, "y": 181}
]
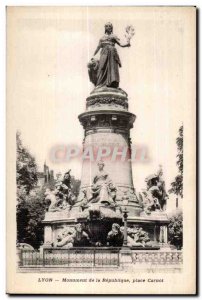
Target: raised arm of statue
[{"x": 123, "y": 45}]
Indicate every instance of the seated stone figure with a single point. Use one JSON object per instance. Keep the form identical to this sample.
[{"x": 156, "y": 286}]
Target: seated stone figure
[
  {"x": 65, "y": 239},
  {"x": 72, "y": 237},
  {"x": 103, "y": 190},
  {"x": 81, "y": 238},
  {"x": 115, "y": 236},
  {"x": 142, "y": 237},
  {"x": 137, "y": 237}
]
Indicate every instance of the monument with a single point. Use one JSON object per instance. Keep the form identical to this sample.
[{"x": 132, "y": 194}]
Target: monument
[{"x": 107, "y": 200}]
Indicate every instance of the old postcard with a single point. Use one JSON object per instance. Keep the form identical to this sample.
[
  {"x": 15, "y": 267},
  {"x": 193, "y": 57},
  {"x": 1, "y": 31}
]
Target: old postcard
[{"x": 101, "y": 143}]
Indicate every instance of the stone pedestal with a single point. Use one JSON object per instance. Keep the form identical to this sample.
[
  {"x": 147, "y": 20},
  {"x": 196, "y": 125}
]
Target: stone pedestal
[
  {"x": 156, "y": 224},
  {"x": 54, "y": 223},
  {"x": 107, "y": 125}
]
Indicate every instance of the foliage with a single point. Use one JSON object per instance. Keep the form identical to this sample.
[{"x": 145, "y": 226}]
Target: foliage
[
  {"x": 175, "y": 230},
  {"x": 31, "y": 204},
  {"x": 177, "y": 184},
  {"x": 30, "y": 213},
  {"x": 179, "y": 142},
  {"x": 26, "y": 169},
  {"x": 30, "y": 200},
  {"x": 75, "y": 185}
]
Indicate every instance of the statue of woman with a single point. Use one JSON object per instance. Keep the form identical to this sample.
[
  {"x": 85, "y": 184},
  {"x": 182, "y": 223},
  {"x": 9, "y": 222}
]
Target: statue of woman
[
  {"x": 103, "y": 190},
  {"x": 109, "y": 63}
]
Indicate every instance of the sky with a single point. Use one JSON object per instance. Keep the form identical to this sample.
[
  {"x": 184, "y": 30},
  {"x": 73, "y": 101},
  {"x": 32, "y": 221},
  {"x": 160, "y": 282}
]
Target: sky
[{"x": 48, "y": 52}]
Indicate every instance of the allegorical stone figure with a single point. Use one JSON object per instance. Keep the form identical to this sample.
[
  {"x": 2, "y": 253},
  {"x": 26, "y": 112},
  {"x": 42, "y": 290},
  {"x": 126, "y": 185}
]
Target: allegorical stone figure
[
  {"x": 72, "y": 237},
  {"x": 155, "y": 196},
  {"x": 65, "y": 238},
  {"x": 103, "y": 190},
  {"x": 137, "y": 237},
  {"x": 81, "y": 238},
  {"x": 105, "y": 72},
  {"x": 115, "y": 236},
  {"x": 61, "y": 197}
]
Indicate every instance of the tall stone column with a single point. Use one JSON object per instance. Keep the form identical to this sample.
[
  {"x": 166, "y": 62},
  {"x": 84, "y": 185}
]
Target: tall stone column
[{"x": 107, "y": 125}]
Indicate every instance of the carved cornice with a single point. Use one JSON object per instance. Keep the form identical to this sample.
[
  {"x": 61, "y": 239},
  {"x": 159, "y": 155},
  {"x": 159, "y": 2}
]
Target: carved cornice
[
  {"x": 116, "y": 131},
  {"x": 107, "y": 119},
  {"x": 108, "y": 90},
  {"x": 107, "y": 100},
  {"x": 107, "y": 97}
]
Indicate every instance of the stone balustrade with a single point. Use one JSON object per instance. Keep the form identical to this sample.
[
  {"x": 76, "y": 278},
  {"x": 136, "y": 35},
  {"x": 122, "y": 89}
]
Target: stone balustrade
[{"x": 92, "y": 257}]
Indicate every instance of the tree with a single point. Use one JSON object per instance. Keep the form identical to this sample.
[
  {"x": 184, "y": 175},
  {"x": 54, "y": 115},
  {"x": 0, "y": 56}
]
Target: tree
[
  {"x": 22, "y": 213},
  {"x": 30, "y": 204},
  {"x": 30, "y": 214},
  {"x": 75, "y": 185},
  {"x": 26, "y": 168},
  {"x": 177, "y": 184},
  {"x": 175, "y": 230}
]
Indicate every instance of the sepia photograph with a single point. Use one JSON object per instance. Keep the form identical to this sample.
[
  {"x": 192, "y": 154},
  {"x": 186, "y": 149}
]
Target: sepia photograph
[{"x": 101, "y": 150}]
